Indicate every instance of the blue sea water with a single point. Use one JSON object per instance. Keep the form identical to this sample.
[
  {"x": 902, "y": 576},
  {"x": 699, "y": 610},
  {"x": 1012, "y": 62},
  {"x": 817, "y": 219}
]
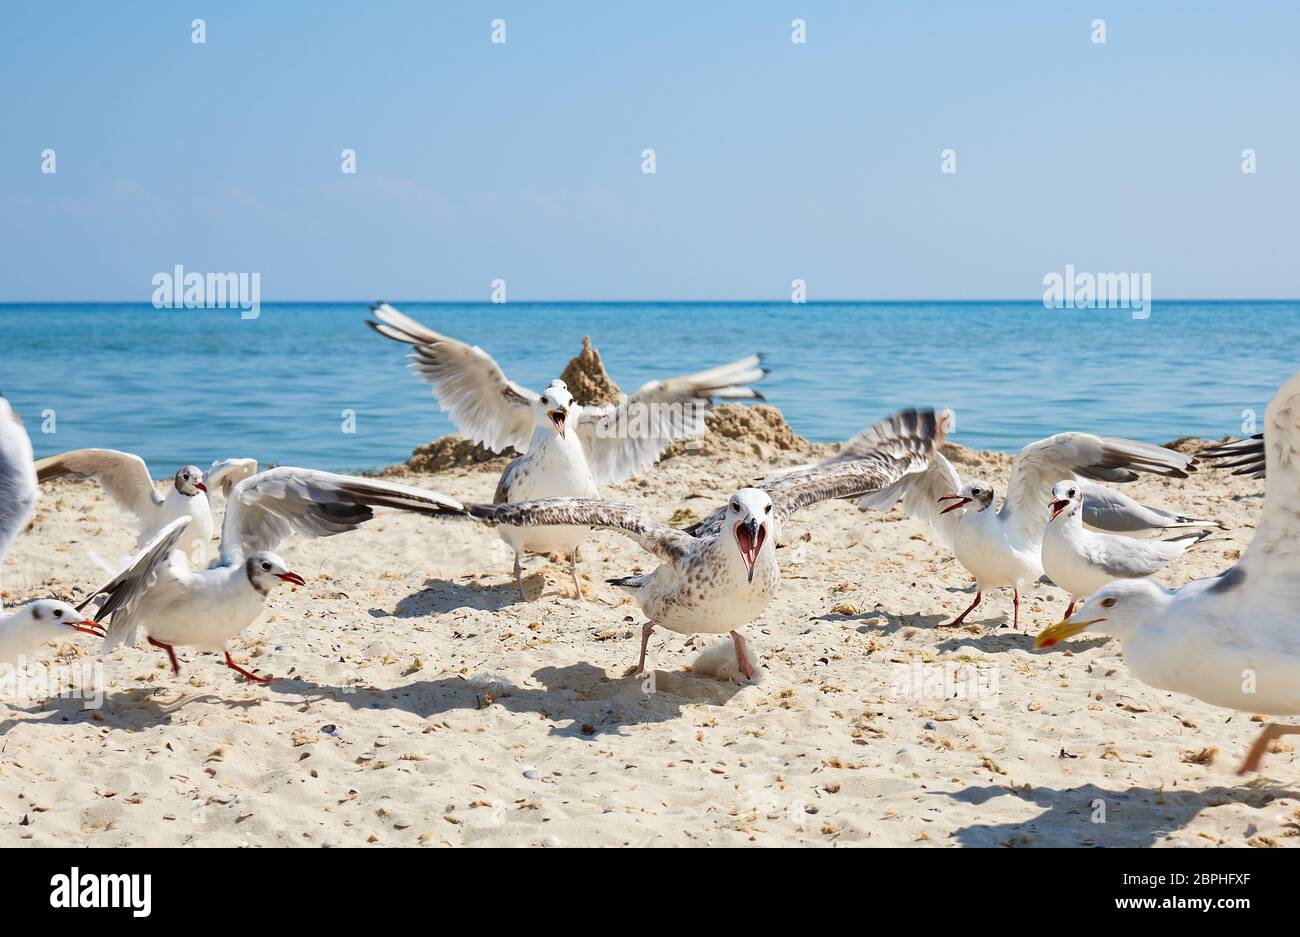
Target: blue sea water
[{"x": 193, "y": 385}]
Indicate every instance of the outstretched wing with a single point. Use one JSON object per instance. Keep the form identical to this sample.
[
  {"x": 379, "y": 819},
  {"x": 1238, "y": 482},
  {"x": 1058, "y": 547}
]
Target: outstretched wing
[
  {"x": 124, "y": 591},
  {"x": 228, "y": 473},
  {"x": 1243, "y": 456},
  {"x": 625, "y": 438},
  {"x": 17, "y": 478},
  {"x": 663, "y": 541},
  {"x": 483, "y": 403},
  {"x": 267, "y": 507},
  {"x": 1042, "y": 464},
  {"x": 898, "y": 446},
  {"x": 920, "y": 493},
  {"x": 123, "y": 475},
  {"x": 1274, "y": 554}
]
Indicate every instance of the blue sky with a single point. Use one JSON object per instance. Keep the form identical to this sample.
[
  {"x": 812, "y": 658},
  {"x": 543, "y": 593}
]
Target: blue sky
[{"x": 523, "y": 161}]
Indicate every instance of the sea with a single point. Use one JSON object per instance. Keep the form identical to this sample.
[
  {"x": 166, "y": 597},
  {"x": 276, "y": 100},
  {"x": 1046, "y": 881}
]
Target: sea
[{"x": 309, "y": 384}]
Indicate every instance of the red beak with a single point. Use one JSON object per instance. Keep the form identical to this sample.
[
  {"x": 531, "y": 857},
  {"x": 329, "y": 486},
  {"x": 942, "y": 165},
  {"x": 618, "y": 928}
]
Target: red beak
[
  {"x": 1058, "y": 507},
  {"x": 293, "y": 578},
  {"x": 749, "y": 537},
  {"x": 961, "y": 502},
  {"x": 87, "y": 626},
  {"x": 202, "y": 487},
  {"x": 557, "y": 417}
]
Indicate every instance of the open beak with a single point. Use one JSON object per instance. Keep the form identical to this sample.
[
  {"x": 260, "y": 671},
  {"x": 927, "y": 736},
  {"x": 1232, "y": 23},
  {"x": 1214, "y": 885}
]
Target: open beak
[
  {"x": 557, "y": 418},
  {"x": 750, "y": 535},
  {"x": 87, "y": 626},
  {"x": 960, "y": 502},
  {"x": 202, "y": 487},
  {"x": 293, "y": 578},
  {"x": 1057, "y": 508},
  {"x": 1053, "y": 635}
]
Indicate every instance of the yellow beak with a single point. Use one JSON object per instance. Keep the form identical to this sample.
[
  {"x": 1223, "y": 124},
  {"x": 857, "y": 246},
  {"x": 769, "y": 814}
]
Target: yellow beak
[{"x": 1068, "y": 628}]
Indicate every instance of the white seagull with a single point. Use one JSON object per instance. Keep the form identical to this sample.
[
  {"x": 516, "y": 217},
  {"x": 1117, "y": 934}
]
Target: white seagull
[
  {"x": 569, "y": 450},
  {"x": 126, "y": 479},
  {"x": 1003, "y": 549},
  {"x": 1232, "y": 640},
  {"x": 722, "y": 573},
  {"x": 23, "y": 630},
  {"x": 205, "y": 608},
  {"x": 1081, "y": 561}
]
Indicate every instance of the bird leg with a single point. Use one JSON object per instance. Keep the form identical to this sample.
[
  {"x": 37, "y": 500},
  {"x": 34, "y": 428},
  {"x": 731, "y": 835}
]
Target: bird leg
[
  {"x": 962, "y": 617},
  {"x": 645, "y": 639},
  {"x": 1016, "y": 592},
  {"x": 1256, "y": 754},
  {"x": 742, "y": 656},
  {"x": 251, "y": 677},
  {"x": 1069, "y": 610},
  {"x": 573, "y": 568},
  {"x": 519, "y": 578},
  {"x": 176, "y": 668}
]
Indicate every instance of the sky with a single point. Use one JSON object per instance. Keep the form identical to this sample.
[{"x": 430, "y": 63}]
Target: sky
[{"x": 478, "y": 161}]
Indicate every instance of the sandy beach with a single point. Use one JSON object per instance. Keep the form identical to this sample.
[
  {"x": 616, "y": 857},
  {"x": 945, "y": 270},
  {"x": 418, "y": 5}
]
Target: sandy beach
[{"x": 421, "y": 703}]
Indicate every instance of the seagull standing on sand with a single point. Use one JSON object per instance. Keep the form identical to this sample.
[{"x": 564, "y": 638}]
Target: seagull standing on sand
[
  {"x": 570, "y": 450},
  {"x": 206, "y": 608},
  {"x": 1232, "y": 640},
  {"x": 27, "y": 627},
  {"x": 722, "y": 573},
  {"x": 1003, "y": 549},
  {"x": 1081, "y": 562},
  {"x": 126, "y": 479}
]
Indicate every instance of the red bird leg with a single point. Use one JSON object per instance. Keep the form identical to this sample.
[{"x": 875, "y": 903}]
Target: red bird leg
[
  {"x": 176, "y": 668},
  {"x": 251, "y": 677},
  {"x": 962, "y": 617}
]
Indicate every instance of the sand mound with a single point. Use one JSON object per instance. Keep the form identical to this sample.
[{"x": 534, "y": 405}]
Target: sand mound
[
  {"x": 587, "y": 379},
  {"x": 451, "y": 452},
  {"x": 738, "y": 430}
]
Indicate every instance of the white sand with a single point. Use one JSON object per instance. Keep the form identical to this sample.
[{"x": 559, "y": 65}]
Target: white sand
[{"x": 463, "y": 717}]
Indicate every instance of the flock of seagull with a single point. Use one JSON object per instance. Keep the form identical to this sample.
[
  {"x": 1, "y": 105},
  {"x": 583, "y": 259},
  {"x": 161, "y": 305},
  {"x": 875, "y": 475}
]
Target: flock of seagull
[{"x": 1232, "y": 640}]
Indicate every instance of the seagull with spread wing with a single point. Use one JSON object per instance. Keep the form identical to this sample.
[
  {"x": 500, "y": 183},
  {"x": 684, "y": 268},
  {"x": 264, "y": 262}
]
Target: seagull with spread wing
[
  {"x": 569, "y": 450},
  {"x": 1003, "y": 548},
  {"x": 23, "y": 630},
  {"x": 1232, "y": 640},
  {"x": 205, "y": 608},
  {"x": 722, "y": 573},
  {"x": 126, "y": 479}
]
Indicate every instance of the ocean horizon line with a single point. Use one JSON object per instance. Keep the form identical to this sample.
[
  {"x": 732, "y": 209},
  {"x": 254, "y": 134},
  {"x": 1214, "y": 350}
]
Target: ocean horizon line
[{"x": 643, "y": 302}]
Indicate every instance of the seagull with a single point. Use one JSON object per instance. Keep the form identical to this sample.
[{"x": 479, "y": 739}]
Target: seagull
[
  {"x": 1232, "y": 640},
  {"x": 126, "y": 479},
  {"x": 721, "y": 574},
  {"x": 205, "y": 608},
  {"x": 569, "y": 450},
  {"x": 23, "y": 630},
  {"x": 1081, "y": 562},
  {"x": 1004, "y": 548}
]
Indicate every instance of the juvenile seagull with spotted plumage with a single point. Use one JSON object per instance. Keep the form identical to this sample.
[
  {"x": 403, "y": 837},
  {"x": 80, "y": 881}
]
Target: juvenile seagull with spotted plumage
[
  {"x": 569, "y": 450},
  {"x": 720, "y": 574}
]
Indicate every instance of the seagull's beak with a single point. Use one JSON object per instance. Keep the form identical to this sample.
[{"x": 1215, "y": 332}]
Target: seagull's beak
[
  {"x": 87, "y": 626},
  {"x": 293, "y": 578},
  {"x": 750, "y": 535},
  {"x": 202, "y": 487},
  {"x": 558, "y": 417},
  {"x": 1057, "y": 507},
  {"x": 960, "y": 502},
  {"x": 1053, "y": 635}
]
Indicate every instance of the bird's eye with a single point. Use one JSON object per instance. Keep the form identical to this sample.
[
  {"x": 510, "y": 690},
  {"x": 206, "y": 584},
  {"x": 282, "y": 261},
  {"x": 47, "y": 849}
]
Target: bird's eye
[
  {"x": 266, "y": 566},
  {"x": 1073, "y": 492},
  {"x": 1109, "y": 602},
  {"x": 735, "y": 505},
  {"x": 545, "y": 402},
  {"x": 58, "y": 613},
  {"x": 974, "y": 491},
  {"x": 768, "y": 509}
]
